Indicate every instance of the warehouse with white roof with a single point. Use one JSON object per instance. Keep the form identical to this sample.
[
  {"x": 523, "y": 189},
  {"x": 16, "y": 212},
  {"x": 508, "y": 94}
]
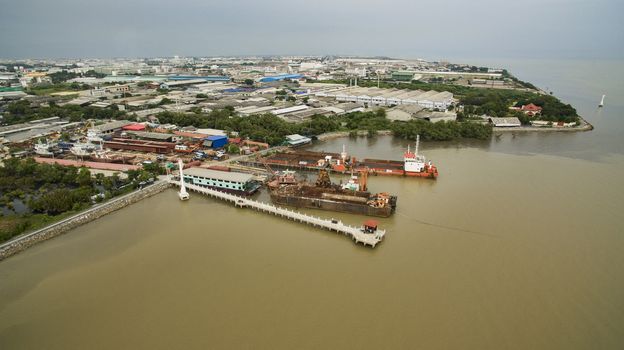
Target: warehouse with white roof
[{"x": 388, "y": 97}]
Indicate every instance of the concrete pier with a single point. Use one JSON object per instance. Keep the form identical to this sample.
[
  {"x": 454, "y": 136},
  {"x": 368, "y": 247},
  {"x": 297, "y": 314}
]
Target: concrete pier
[{"x": 355, "y": 233}]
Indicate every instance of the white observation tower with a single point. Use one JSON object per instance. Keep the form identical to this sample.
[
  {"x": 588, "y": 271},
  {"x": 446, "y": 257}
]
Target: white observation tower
[{"x": 182, "y": 193}]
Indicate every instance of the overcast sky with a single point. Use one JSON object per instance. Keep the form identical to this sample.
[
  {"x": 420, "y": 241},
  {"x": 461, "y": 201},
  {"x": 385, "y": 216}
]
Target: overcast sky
[{"x": 432, "y": 29}]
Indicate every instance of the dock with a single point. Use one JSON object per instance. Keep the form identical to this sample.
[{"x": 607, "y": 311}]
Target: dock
[{"x": 355, "y": 233}]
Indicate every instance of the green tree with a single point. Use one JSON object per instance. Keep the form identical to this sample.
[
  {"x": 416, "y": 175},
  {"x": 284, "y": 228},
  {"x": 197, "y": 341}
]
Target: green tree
[{"x": 84, "y": 177}]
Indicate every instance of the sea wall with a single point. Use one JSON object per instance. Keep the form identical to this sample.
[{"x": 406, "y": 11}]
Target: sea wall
[
  {"x": 582, "y": 127},
  {"x": 25, "y": 241}
]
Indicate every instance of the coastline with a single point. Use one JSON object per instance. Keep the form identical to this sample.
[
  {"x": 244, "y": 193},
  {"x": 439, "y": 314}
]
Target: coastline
[
  {"x": 585, "y": 126},
  {"x": 27, "y": 240},
  {"x": 24, "y": 241},
  {"x": 339, "y": 134}
]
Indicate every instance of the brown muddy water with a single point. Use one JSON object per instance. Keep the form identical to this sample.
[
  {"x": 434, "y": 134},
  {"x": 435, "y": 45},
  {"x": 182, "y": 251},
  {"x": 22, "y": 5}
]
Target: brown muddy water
[{"x": 518, "y": 245}]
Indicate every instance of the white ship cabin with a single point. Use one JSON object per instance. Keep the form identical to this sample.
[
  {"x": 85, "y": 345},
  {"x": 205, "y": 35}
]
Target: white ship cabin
[{"x": 219, "y": 179}]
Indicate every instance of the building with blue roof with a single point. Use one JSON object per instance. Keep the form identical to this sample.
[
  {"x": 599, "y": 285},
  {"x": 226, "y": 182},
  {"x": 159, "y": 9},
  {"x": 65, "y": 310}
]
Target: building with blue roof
[
  {"x": 204, "y": 77},
  {"x": 215, "y": 141},
  {"x": 274, "y": 78}
]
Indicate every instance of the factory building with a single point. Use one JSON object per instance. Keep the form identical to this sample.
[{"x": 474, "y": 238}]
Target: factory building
[
  {"x": 111, "y": 127},
  {"x": 297, "y": 140},
  {"x": 151, "y": 136},
  {"x": 391, "y": 97},
  {"x": 180, "y": 83},
  {"x": 215, "y": 141},
  {"x": 134, "y": 127},
  {"x": 403, "y": 76},
  {"x": 409, "y": 112},
  {"x": 289, "y": 110},
  {"x": 239, "y": 183},
  {"x": 274, "y": 78},
  {"x": 204, "y": 79}
]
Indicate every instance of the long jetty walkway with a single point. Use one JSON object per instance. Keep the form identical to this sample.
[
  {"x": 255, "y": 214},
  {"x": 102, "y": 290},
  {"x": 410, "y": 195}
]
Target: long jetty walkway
[{"x": 356, "y": 234}]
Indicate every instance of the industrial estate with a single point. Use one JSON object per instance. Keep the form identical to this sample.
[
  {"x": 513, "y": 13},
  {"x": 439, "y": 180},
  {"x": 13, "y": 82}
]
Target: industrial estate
[{"x": 84, "y": 131}]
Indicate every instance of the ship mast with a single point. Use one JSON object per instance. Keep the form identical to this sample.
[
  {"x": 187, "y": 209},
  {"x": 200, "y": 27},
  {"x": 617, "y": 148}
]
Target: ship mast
[{"x": 417, "y": 144}]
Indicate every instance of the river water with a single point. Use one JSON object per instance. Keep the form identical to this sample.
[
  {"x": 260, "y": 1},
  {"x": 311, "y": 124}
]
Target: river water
[{"x": 517, "y": 245}]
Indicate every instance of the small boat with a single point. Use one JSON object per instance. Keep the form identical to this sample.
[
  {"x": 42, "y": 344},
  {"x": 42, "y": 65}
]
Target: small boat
[
  {"x": 601, "y": 101},
  {"x": 82, "y": 149},
  {"x": 44, "y": 149},
  {"x": 106, "y": 157},
  {"x": 356, "y": 183}
]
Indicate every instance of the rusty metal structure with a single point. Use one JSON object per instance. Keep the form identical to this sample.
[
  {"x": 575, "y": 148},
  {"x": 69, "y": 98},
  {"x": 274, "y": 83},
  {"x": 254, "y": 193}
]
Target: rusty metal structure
[{"x": 325, "y": 195}]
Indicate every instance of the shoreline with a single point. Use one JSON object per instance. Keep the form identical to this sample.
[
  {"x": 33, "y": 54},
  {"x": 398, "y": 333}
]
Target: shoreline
[
  {"x": 27, "y": 240},
  {"x": 338, "y": 134},
  {"x": 585, "y": 126}
]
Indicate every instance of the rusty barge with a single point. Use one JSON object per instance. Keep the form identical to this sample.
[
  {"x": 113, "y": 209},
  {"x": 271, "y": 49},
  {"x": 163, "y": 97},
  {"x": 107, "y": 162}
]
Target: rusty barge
[
  {"x": 351, "y": 197},
  {"x": 412, "y": 165}
]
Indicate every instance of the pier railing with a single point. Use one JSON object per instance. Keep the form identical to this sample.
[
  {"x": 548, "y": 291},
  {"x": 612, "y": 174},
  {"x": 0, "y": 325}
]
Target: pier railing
[{"x": 356, "y": 233}]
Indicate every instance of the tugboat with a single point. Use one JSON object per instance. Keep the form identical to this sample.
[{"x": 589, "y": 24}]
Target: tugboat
[
  {"x": 354, "y": 183},
  {"x": 413, "y": 164}
]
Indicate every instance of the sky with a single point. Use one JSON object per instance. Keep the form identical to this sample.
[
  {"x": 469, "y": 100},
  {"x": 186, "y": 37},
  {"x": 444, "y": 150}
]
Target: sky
[{"x": 432, "y": 29}]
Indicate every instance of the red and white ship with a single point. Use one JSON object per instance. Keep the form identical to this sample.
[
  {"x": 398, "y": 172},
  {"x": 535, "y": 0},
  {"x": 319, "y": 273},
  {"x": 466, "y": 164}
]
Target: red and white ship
[{"x": 413, "y": 164}]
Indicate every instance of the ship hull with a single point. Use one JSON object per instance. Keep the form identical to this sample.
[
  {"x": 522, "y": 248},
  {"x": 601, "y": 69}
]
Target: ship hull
[
  {"x": 332, "y": 205},
  {"x": 392, "y": 168}
]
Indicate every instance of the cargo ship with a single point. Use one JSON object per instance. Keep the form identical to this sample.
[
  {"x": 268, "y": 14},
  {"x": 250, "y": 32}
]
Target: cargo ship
[
  {"x": 351, "y": 197},
  {"x": 413, "y": 164}
]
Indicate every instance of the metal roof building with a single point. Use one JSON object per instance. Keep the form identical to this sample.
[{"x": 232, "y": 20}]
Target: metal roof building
[
  {"x": 296, "y": 140},
  {"x": 155, "y": 136},
  {"x": 387, "y": 97},
  {"x": 204, "y": 78},
  {"x": 218, "y": 175},
  {"x": 280, "y": 77},
  {"x": 112, "y": 126},
  {"x": 290, "y": 109},
  {"x": 505, "y": 122}
]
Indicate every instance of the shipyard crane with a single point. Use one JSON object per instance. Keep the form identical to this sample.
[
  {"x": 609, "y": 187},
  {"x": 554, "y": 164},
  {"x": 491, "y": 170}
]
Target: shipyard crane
[{"x": 268, "y": 167}]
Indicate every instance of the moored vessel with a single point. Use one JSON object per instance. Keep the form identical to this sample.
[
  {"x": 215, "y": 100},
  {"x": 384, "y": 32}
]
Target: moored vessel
[
  {"x": 325, "y": 195},
  {"x": 44, "y": 149}
]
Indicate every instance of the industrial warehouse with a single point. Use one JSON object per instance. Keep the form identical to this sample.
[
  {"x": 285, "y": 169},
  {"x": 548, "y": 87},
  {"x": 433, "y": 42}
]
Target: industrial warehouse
[{"x": 391, "y": 97}]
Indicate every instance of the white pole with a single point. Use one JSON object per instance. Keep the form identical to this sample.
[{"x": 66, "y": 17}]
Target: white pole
[
  {"x": 417, "y": 144},
  {"x": 183, "y": 194}
]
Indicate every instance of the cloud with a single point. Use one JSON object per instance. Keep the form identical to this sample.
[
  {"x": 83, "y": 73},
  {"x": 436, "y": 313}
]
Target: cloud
[{"x": 429, "y": 29}]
